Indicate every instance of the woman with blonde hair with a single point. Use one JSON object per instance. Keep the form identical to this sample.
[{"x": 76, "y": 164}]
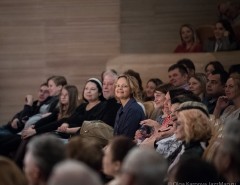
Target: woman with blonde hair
[
  {"x": 194, "y": 129},
  {"x": 130, "y": 113}
]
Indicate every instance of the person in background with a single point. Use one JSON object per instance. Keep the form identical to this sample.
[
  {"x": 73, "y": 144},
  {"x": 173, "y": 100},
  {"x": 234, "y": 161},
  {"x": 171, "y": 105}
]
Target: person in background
[
  {"x": 215, "y": 87},
  {"x": 234, "y": 69},
  {"x": 178, "y": 76},
  {"x": 148, "y": 93},
  {"x": 197, "y": 84},
  {"x": 189, "y": 41},
  {"x": 43, "y": 153},
  {"x": 224, "y": 38},
  {"x": 108, "y": 90},
  {"x": 10, "y": 174},
  {"x": 114, "y": 154},
  {"x": 130, "y": 113},
  {"x": 212, "y": 66},
  {"x": 143, "y": 166},
  {"x": 189, "y": 66},
  {"x": 227, "y": 158},
  {"x": 71, "y": 172},
  {"x": 228, "y": 106},
  {"x": 30, "y": 108}
]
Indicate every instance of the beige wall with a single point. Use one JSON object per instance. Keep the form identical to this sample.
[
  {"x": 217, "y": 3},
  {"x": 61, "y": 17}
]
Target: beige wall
[{"x": 76, "y": 38}]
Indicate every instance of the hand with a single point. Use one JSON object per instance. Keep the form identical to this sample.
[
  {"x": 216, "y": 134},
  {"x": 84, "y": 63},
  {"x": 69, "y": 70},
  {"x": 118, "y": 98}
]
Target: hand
[
  {"x": 28, "y": 132},
  {"x": 63, "y": 127},
  {"x": 14, "y": 123},
  {"x": 148, "y": 142},
  {"x": 151, "y": 123},
  {"x": 29, "y": 99},
  {"x": 222, "y": 102},
  {"x": 138, "y": 135}
]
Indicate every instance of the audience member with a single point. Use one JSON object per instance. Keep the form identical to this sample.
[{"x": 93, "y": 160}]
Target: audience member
[
  {"x": 230, "y": 11},
  {"x": 214, "y": 88},
  {"x": 194, "y": 129},
  {"x": 197, "y": 84},
  {"x": 30, "y": 108},
  {"x": 228, "y": 107},
  {"x": 70, "y": 172},
  {"x": 224, "y": 38},
  {"x": 148, "y": 93},
  {"x": 178, "y": 76},
  {"x": 212, "y": 66},
  {"x": 10, "y": 174},
  {"x": 195, "y": 171},
  {"x": 114, "y": 154},
  {"x": 189, "y": 40},
  {"x": 143, "y": 167},
  {"x": 189, "y": 66},
  {"x": 126, "y": 92},
  {"x": 43, "y": 152},
  {"x": 112, "y": 106},
  {"x": 227, "y": 159},
  {"x": 234, "y": 69}
]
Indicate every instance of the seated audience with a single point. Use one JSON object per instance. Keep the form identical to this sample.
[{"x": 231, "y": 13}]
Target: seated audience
[
  {"x": 227, "y": 159},
  {"x": 189, "y": 41},
  {"x": 224, "y": 38},
  {"x": 197, "y": 84},
  {"x": 228, "y": 106},
  {"x": 178, "y": 76},
  {"x": 194, "y": 129},
  {"x": 30, "y": 108},
  {"x": 189, "y": 66},
  {"x": 43, "y": 153},
  {"x": 114, "y": 154},
  {"x": 148, "y": 93},
  {"x": 72, "y": 172},
  {"x": 143, "y": 166},
  {"x": 10, "y": 174},
  {"x": 215, "y": 87},
  {"x": 126, "y": 91},
  {"x": 212, "y": 66}
]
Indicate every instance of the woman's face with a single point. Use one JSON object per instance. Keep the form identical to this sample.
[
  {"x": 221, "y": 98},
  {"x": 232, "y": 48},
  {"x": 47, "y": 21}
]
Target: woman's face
[
  {"x": 53, "y": 89},
  {"x": 209, "y": 69},
  {"x": 122, "y": 90},
  {"x": 179, "y": 132},
  {"x": 150, "y": 88},
  {"x": 64, "y": 97},
  {"x": 91, "y": 93},
  {"x": 187, "y": 34},
  {"x": 159, "y": 99},
  {"x": 108, "y": 164},
  {"x": 219, "y": 31},
  {"x": 232, "y": 90},
  {"x": 195, "y": 86}
]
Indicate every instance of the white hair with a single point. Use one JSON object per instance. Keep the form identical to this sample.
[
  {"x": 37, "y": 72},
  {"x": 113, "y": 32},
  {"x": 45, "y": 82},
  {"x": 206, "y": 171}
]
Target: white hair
[{"x": 73, "y": 172}]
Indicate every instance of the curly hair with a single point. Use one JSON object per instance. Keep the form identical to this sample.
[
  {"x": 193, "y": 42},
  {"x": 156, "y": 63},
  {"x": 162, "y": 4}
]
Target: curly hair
[{"x": 196, "y": 125}]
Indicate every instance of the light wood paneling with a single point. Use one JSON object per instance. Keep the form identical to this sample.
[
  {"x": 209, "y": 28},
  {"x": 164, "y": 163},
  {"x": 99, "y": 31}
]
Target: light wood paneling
[{"x": 39, "y": 38}]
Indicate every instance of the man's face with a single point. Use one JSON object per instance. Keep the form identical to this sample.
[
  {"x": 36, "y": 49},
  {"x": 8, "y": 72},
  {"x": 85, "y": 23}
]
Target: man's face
[
  {"x": 108, "y": 87},
  {"x": 176, "y": 78},
  {"x": 214, "y": 86},
  {"x": 31, "y": 170},
  {"x": 43, "y": 93}
]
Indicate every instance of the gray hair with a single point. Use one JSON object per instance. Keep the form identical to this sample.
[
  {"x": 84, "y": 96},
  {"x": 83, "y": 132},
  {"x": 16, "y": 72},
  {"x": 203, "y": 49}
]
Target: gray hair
[
  {"x": 231, "y": 141},
  {"x": 146, "y": 165},
  {"x": 110, "y": 72},
  {"x": 73, "y": 172},
  {"x": 46, "y": 150}
]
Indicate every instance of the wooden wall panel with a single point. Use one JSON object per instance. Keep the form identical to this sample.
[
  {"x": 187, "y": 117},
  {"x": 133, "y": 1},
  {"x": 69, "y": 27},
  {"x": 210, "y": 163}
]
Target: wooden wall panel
[
  {"x": 152, "y": 26},
  {"x": 39, "y": 38}
]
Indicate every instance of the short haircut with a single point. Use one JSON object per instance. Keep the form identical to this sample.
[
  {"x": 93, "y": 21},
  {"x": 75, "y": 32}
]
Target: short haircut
[
  {"x": 46, "y": 150},
  {"x": 182, "y": 68},
  {"x": 223, "y": 75},
  {"x": 187, "y": 62}
]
